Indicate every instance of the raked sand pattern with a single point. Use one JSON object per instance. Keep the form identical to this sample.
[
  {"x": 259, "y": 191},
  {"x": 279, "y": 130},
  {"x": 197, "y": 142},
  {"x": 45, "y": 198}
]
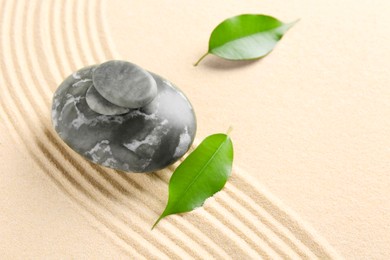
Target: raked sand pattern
[{"x": 41, "y": 42}]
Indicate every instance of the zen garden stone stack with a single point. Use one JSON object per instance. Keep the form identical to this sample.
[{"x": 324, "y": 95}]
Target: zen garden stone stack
[{"x": 121, "y": 116}]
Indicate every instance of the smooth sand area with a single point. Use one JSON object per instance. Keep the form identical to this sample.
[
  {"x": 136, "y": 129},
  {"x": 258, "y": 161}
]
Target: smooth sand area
[{"x": 311, "y": 133}]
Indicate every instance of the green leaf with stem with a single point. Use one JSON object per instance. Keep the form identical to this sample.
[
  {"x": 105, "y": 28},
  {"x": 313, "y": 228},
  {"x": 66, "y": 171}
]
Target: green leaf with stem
[
  {"x": 203, "y": 173},
  {"x": 246, "y": 37}
]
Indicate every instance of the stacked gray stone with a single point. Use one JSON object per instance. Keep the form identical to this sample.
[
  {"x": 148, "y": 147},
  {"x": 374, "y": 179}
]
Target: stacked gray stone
[{"x": 121, "y": 116}]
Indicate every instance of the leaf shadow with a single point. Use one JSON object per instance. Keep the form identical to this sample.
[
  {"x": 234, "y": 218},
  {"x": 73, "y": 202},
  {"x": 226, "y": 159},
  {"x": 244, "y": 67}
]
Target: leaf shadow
[{"x": 216, "y": 63}]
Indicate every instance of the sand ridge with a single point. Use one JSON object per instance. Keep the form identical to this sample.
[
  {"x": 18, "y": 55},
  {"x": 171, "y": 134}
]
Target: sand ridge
[{"x": 42, "y": 42}]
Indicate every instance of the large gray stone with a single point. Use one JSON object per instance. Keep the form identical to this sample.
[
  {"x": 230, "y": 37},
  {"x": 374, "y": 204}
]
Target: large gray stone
[{"x": 142, "y": 140}]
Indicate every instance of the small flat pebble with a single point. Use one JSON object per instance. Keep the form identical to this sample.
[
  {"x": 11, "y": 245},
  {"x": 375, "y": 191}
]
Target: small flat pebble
[
  {"x": 100, "y": 105},
  {"x": 124, "y": 84}
]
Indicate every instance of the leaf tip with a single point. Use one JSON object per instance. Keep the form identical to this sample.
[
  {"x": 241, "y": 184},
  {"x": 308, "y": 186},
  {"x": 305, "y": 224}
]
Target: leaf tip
[
  {"x": 294, "y": 22},
  {"x": 230, "y": 129}
]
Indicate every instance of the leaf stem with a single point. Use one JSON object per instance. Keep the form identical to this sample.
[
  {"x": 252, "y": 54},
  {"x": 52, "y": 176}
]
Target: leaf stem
[
  {"x": 158, "y": 220},
  {"x": 201, "y": 58}
]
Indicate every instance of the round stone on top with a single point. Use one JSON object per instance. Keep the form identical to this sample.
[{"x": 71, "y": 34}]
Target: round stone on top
[
  {"x": 124, "y": 84},
  {"x": 102, "y": 106}
]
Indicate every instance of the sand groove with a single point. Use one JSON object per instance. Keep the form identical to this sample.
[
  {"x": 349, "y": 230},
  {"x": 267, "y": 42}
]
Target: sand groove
[{"x": 44, "y": 41}]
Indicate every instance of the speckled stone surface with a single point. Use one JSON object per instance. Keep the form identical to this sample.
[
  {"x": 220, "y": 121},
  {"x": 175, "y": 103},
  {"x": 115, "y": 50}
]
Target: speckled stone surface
[{"x": 143, "y": 140}]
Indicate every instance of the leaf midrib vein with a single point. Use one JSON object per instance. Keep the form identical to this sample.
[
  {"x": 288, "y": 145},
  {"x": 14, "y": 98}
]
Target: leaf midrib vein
[{"x": 247, "y": 36}]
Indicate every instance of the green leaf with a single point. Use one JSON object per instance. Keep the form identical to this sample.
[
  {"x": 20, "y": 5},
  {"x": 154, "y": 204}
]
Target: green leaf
[
  {"x": 203, "y": 173},
  {"x": 246, "y": 37}
]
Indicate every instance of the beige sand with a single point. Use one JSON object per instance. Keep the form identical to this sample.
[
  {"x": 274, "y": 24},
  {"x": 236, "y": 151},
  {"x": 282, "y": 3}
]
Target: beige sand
[{"x": 311, "y": 122}]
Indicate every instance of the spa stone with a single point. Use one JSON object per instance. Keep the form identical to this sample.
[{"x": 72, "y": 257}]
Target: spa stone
[
  {"x": 145, "y": 139},
  {"x": 102, "y": 106},
  {"x": 124, "y": 84}
]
